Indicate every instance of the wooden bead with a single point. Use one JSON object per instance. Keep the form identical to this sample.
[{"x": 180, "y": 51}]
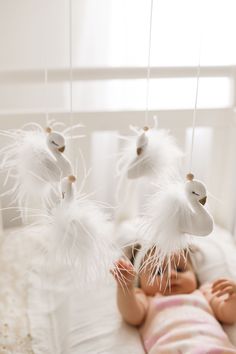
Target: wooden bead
[
  {"x": 190, "y": 176},
  {"x": 139, "y": 151},
  {"x": 72, "y": 179},
  {"x": 145, "y": 128},
  {"x": 48, "y": 130}
]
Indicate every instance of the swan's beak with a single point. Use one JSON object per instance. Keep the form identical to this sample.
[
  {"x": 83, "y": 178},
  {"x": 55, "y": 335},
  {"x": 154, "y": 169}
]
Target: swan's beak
[
  {"x": 139, "y": 151},
  {"x": 203, "y": 200},
  {"x": 62, "y": 149}
]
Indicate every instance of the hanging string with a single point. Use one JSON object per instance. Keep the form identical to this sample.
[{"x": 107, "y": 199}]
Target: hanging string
[
  {"x": 195, "y": 110},
  {"x": 71, "y": 79},
  {"x": 70, "y": 62},
  {"x": 45, "y": 65},
  {"x": 46, "y": 100},
  {"x": 148, "y": 64}
]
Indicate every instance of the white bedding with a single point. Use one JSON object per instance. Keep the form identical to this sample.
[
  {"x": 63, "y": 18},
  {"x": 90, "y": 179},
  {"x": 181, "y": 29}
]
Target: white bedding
[
  {"x": 84, "y": 321},
  {"x": 81, "y": 321},
  {"x": 96, "y": 325}
]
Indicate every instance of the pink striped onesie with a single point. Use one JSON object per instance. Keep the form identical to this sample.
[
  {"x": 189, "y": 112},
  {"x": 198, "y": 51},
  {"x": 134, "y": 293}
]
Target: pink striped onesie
[{"x": 183, "y": 324}]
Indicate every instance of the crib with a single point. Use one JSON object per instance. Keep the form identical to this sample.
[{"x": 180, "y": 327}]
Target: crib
[
  {"x": 75, "y": 321},
  {"x": 108, "y": 95}
]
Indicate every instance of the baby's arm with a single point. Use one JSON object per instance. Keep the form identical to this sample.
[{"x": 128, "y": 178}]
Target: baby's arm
[
  {"x": 222, "y": 299},
  {"x": 132, "y": 302}
]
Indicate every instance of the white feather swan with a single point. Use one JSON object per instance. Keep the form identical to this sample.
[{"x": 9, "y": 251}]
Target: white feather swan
[
  {"x": 34, "y": 160},
  {"x": 174, "y": 213},
  {"x": 150, "y": 154},
  {"x": 78, "y": 237}
]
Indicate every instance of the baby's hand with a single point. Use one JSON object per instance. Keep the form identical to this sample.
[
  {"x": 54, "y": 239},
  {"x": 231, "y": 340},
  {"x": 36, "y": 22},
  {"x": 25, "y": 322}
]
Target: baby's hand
[
  {"x": 224, "y": 286},
  {"x": 124, "y": 273}
]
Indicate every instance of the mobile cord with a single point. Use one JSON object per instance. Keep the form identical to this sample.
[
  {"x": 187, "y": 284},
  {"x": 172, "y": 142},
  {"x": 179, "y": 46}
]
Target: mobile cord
[
  {"x": 148, "y": 64},
  {"x": 195, "y": 111}
]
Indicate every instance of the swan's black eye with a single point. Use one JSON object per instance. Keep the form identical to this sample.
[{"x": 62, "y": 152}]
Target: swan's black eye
[
  {"x": 53, "y": 142},
  {"x": 195, "y": 193}
]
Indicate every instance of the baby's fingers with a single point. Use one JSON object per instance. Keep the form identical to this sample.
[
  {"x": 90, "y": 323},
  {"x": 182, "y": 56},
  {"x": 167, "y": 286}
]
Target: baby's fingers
[
  {"x": 220, "y": 285},
  {"x": 123, "y": 270},
  {"x": 225, "y": 291},
  {"x": 219, "y": 281}
]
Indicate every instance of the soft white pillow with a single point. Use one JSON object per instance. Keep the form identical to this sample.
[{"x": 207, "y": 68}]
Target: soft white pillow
[{"x": 215, "y": 258}]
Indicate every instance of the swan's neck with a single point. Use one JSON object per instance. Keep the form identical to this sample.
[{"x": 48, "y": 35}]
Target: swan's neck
[
  {"x": 69, "y": 194},
  {"x": 68, "y": 191},
  {"x": 199, "y": 222},
  {"x": 63, "y": 163}
]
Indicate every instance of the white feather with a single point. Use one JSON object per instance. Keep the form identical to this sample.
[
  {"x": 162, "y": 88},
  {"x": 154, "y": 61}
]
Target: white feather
[
  {"x": 173, "y": 214},
  {"x": 159, "y": 154},
  {"x": 79, "y": 238},
  {"x": 34, "y": 168}
]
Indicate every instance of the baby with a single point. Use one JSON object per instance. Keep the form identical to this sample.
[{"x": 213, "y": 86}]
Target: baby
[{"x": 175, "y": 316}]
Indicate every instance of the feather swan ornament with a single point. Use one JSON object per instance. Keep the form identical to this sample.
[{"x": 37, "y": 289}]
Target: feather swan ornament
[
  {"x": 174, "y": 214},
  {"x": 152, "y": 153},
  {"x": 79, "y": 236},
  {"x": 36, "y": 163}
]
